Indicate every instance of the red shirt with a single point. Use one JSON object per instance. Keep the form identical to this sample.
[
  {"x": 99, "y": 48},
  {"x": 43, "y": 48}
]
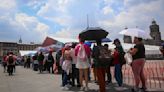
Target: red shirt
[
  {"x": 87, "y": 49},
  {"x": 116, "y": 57}
]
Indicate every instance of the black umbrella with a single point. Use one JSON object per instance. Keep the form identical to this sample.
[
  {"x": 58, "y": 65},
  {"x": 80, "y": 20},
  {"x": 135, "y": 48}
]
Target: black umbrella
[{"x": 93, "y": 33}]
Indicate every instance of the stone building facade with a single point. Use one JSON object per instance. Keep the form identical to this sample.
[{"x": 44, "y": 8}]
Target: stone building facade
[
  {"x": 154, "y": 33},
  {"x": 14, "y": 47}
]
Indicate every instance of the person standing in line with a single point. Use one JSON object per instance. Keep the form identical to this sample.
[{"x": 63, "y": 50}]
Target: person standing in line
[
  {"x": 50, "y": 62},
  {"x": 118, "y": 62},
  {"x": 101, "y": 59},
  {"x": 41, "y": 60},
  {"x": 4, "y": 63},
  {"x": 108, "y": 70},
  {"x": 10, "y": 63},
  {"x": 67, "y": 67},
  {"x": 25, "y": 61},
  {"x": 58, "y": 56},
  {"x": 138, "y": 54},
  {"x": 75, "y": 71},
  {"x": 94, "y": 69},
  {"x": 35, "y": 62},
  {"x": 22, "y": 61},
  {"x": 28, "y": 61},
  {"x": 82, "y": 52}
]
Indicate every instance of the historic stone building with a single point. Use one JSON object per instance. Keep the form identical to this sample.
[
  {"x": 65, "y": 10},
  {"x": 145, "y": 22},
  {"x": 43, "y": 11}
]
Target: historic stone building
[
  {"x": 154, "y": 33},
  {"x": 14, "y": 47}
]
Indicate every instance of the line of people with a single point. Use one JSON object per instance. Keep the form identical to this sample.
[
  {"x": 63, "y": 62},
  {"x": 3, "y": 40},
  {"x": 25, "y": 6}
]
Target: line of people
[
  {"x": 77, "y": 60},
  {"x": 40, "y": 62}
]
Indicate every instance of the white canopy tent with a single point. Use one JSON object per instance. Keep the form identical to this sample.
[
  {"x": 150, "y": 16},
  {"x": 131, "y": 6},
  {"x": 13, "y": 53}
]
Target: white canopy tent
[
  {"x": 150, "y": 49},
  {"x": 22, "y": 52}
]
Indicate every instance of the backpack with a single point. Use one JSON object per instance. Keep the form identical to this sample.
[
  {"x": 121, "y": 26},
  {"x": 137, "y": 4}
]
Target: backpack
[
  {"x": 81, "y": 55},
  {"x": 49, "y": 58},
  {"x": 122, "y": 58},
  {"x": 104, "y": 56},
  {"x": 10, "y": 60}
]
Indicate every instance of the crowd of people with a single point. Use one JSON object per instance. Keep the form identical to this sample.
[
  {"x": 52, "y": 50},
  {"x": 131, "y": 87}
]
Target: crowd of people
[{"x": 76, "y": 60}]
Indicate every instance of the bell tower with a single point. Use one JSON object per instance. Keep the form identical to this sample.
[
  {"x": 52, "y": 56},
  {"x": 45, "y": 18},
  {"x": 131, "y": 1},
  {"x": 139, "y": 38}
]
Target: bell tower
[
  {"x": 154, "y": 31},
  {"x": 127, "y": 39},
  {"x": 20, "y": 40}
]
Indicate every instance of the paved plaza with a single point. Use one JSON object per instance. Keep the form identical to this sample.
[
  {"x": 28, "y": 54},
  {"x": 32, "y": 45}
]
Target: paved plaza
[{"x": 27, "y": 80}]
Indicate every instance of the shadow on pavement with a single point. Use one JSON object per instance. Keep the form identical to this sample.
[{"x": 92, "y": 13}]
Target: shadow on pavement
[{"x": 109, "y": 88}]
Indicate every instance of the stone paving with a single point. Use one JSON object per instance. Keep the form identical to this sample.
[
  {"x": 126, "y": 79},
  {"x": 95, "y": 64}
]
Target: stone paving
[{"x": 27, "y": 80}]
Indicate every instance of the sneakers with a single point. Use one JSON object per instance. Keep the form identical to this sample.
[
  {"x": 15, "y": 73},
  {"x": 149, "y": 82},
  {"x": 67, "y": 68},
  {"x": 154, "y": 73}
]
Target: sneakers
[
  {"x": 65, "y": 88},
  {"x": 143, "y": 89},
  {"x": 81, "y": 88},
  {"x": 69, "y": 86},
  {"x": 120, "y": 88},
  {"x": 86, "y": 89},
  {"x": 135, "y": 89}
]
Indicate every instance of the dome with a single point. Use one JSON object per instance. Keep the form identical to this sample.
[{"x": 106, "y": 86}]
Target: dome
[{"x": 154, "y": 22}]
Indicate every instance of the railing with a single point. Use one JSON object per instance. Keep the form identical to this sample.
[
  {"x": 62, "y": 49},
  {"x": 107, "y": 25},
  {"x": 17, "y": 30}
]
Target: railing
[{"x": 153, "y": 70}]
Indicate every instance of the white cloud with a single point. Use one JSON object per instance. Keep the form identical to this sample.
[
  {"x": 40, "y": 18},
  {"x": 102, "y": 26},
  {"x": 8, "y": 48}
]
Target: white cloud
[
  {"x": 55, "y": 6},
  {"x": 56, "y": 11},
  {"x": 26, "y": 21},
  {"x": 68, "y": 17},
  {"x": 28, "y": 27},
  {"x": 107, "y": 10},
  {"x": 32, "y": 25},
  {"x": 8, "y": 7},
  {"x": 139, "y": 15},
  {"x": 41, "y": 27},
  {"x": 109, "y": 1},
  {"x": 7, "y": 4},
  {"x": 67, "y": 33},
  {"x": 35, "y": 4}
]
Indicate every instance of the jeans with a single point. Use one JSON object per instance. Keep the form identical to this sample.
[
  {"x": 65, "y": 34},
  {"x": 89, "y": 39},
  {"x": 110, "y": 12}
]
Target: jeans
[
  {"x": 75, "y": 75},
  {"x": 118, "y": 74},
  {"x": 65, "y": 78},
  {"x": 109, "y": 76},
  {"x": 10, "y": 69}
]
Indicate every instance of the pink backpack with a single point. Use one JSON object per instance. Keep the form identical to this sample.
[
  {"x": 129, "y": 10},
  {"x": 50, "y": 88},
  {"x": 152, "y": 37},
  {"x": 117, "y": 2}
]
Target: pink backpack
[{"x": 81, "y": 55}]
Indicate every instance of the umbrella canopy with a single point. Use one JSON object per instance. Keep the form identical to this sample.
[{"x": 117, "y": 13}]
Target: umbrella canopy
[
  {"x": 135, "y": 32},
  {"x": 106, "y": 40},
  {"x": 93, "y": 33},
  {"x": 88, "y": 43}
]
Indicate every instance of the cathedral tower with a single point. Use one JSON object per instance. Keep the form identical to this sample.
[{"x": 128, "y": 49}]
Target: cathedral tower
[
  {"x": 127, "y": 39},
  {"x": 154, "y": 31}
]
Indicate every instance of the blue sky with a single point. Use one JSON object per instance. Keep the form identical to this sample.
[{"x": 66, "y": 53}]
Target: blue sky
[{"x": 33, "y": 20}]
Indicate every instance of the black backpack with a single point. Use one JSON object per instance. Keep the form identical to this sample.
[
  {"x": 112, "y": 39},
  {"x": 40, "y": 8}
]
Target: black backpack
[
  {"x": 121, "y": 58},
  {"x": 10, "y": 60},
  {"x": 105, "y": 57}
]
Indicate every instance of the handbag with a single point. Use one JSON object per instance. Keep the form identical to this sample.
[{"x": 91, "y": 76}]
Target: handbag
[{"x": 128, "y": 58}]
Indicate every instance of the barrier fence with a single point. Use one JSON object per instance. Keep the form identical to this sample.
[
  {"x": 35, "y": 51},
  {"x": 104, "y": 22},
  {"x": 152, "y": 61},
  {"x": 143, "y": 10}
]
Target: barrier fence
[{"x": 153, "y": 70}]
